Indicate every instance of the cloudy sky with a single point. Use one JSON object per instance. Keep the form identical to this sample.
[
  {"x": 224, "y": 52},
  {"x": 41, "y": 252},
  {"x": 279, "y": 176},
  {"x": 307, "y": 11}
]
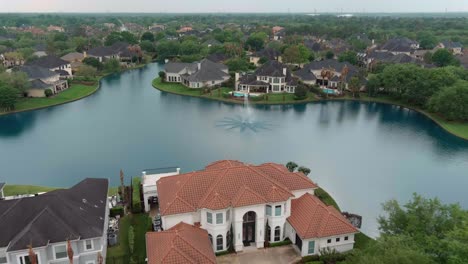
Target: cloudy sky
[{"x": 185, "y": 6}]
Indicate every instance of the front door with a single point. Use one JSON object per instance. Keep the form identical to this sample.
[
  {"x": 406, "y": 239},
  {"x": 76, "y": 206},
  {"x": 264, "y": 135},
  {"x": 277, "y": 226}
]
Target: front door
[
  {"x": 248, "y": 228},
  {"x": 298, "y": 242}
]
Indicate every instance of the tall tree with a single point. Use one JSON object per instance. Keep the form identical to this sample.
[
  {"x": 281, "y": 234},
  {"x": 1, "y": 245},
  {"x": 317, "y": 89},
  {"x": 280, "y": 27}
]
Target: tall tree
[{"x": 291, "y": 166}]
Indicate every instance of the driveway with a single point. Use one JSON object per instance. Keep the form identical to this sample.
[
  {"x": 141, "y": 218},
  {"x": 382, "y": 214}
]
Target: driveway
[{"x": 280, "y": 255}]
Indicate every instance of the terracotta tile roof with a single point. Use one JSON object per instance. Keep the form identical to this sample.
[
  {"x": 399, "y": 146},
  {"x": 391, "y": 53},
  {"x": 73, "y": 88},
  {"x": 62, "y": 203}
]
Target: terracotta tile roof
[
  {"x": 183, "y": 243},
  {"x": 228, "y": 183},
  {"x": 311, "y": 218}
]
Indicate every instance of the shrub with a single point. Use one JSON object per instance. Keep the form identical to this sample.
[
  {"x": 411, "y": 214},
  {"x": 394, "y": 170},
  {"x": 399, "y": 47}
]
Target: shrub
[
  {"x": 311, "y": 258},
  {"x": 221, "y": 253},
  {"x": 119, "y": 210},
  {"x": 48, "y": 92},
  {"x": 162, "y": 75},
  {"x": 257, "y": 98},
  {"x": 281, "y": 243},
  {"x": 136, "y": 202},
  {"x": 300, "y": 93},
  {"x": 131, "y": 239},
  {"x": 226, "y": 95}
]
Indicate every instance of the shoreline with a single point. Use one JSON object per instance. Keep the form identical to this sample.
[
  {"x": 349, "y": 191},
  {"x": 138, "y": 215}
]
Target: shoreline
[
  {"x": 98, "y": 86},
  {"x": 436, "y": 119}
]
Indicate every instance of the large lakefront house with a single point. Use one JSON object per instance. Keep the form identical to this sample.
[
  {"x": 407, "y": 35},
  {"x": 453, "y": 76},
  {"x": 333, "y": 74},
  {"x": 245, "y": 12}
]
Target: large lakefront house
[
  {"x": 47, "y": 222},
  {"x": 197, "y": 74},
  {"x": 42, "y": 79},
  {"x": 230, "y": 203},
  {"x": 271, "y": 77}
]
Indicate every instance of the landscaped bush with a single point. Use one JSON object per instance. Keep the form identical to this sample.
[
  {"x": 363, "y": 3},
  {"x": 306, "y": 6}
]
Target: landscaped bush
[
  {"x": 221, "y": 253},
  {"x": 136, "y": 202},
  {"x": 226, "y": 95},
  {"x": 119, "y": 210},
  {"x": 48, "y": 92},
  {"x": 281, "y": 243},
  {"x": 257, "y": 98},
  {"x": 311, "y": 258}
]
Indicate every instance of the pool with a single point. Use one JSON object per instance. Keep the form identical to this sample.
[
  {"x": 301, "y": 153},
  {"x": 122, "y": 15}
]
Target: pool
[{"x": 330, "y": 91}]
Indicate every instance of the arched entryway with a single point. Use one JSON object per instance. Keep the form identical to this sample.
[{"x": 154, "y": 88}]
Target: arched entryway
[{"x": 248, "y": 228}]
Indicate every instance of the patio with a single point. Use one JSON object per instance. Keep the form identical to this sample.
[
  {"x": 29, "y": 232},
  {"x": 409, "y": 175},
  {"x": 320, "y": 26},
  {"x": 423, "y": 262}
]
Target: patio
[{"x": 284, "y": 254}]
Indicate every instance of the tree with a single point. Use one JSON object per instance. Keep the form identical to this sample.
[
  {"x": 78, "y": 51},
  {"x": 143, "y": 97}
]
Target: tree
[
  {"x": 147, "y": 46},
  {"x": 291, "y": 166},
  {"x": 329, "y": 54},
  {"x": 129, "y": 37},
  {"x": 8, "y": 98},
  {"x": 348, "y": 56},
  {"x": 425, "y": 223},
  {"x": 131, "y": 239},
  {"x": 304, "y": 170},
  {"x": 390, "y": 250},
  {"x": 94, "y": 62},
  {"x": 147, "y": 36},
  {"x": 373, "y": 85},
  {"x": 112, "y": 38},
  {"x": 238, "y": 64},
  {"x": 427, "y": 40},
  {"x": 451, "y": 102},
  {"x": 355, "y": 86},
  {"x": 112, "y": 65},
  {"x": 16, "y": 80},
  {"x": 256, "y": 41},
  {"x": 443, "y": 57},
  {"x": 296, "y": 54},
  {"x": 86, "y": 71},
  {"x": 300, "y": 92}
]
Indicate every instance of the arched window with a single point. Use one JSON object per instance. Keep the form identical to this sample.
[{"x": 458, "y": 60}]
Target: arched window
[
  {"x": 277, "y": 233},
  {"x": 211, "y": 238},
  {"x": 219, "y": 243}
]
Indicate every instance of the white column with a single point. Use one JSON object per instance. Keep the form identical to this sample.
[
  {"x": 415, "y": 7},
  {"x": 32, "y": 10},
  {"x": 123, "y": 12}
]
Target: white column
[
  {"x": 147, "y": 207},
  {"x": 238, "y": 245},
  {"x": 260, "y": 237}
]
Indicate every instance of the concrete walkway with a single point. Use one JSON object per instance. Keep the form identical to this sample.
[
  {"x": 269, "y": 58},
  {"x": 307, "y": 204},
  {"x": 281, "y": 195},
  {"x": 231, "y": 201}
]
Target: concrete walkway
[{"x": 284, "y": 254}]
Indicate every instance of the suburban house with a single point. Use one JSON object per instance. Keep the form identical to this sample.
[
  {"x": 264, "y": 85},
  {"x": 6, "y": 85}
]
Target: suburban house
[
  {"x": 455, "y": 47},
  {"x": 121, "y": 51},
  {"x": 148, "y": 182},
  {"x": 103, "y": 53},
  {"x": 42, "y": 79},
  {"x": 398, "y": 46},
  {"x": 271, "y": 77},
  {"x": 370, "y": 59},
  {"x": 327, "y": 73},
  {"x": 54, "y": 63},
  {"x": 184, "y": 244},
  {"x": 2, "y": 194},
  {"x": 11, "y": 58},
  {"x": 40, "y": 51},
  {"x": 75, "y": 59},
  {"x": 278, "y": 32},
  {"x": 55, "y": 28},
  {"x": 245, "y": 206},
  {"x": 268, "y": 54},
  {"x": 43, "y": 225},
  {"x": 197, "y": 74}
]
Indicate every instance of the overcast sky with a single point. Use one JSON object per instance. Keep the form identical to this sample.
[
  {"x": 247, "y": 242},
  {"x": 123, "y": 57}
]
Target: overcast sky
[{"x": 189, "y": 6}]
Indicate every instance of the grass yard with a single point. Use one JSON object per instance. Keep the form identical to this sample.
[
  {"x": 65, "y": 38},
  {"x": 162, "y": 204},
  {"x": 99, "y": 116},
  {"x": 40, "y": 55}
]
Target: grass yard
[
  {"x": 326, "y": 198},
  {"x": 11, "y": 190},
  {"x": 75, "y": 92},
  {"x": 141, "y": 224}
]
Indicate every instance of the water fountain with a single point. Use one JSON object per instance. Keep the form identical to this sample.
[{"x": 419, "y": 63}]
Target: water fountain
[{"x": 245, "y": 121}]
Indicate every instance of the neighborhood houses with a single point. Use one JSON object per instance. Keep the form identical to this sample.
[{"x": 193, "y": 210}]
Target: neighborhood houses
[{"x": 197, "y": 74}]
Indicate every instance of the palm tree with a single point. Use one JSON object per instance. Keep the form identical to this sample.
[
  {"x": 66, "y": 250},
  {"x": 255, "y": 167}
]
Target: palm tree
[
  {"x": 69, "y": 251},
  {"x": 291, "y": 166},
  {"x": 32, "y": 256},
  {"x": 122, "y": 187},
  {"x": 100, "y": 259}
]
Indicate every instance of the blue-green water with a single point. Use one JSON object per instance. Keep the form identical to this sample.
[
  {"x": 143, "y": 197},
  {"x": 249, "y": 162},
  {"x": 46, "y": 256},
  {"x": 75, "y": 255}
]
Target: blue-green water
[{"x": 362, "y": 153}]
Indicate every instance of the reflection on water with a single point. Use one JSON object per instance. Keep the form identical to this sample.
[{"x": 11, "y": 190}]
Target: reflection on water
[{"x": 355, "y": 150}]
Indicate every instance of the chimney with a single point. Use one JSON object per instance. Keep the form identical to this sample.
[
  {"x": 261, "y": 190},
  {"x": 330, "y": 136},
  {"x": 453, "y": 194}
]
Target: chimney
[
  {"x": 144, "y": 173},
  {"x": 178, "y": 170},
  {"x": 199, "y": 65},
  {"x": 236, "y": 81},
  {"x": 284, "y": 71}
]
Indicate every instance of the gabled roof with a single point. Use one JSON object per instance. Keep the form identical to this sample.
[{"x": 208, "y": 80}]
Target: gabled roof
[
  {"x": 73, "y": 56},
  {"x": 452, "y": 45},
  {"x": 182, "y": 243},
  {"x": 268, "y": 53},
  {"x": 401, "y": 44},
  {"x": 311, "y": 218},
  {"x": 209, "y": 71},
  {"x": 102, "y": 51},
  {"x": 49, "y": 62},
  {"x": 226, "y": 184},
  {"x": 39, "y": 84},
  {"x": 251, "y": 79},
  {"x": 75, "y": 213},
  {"x": 271, "y": 68},
  {"x": 36, "y": 72},
  {"x": 176, "y": 67}
]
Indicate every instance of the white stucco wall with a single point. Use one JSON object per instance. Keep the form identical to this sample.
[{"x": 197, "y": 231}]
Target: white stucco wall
[{"x": 169, "y": 221}]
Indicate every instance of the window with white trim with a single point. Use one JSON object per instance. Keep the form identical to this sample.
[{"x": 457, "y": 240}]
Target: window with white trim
[
  {"x": 268, "y": 210},
  {"x": 219, "y": 218},
  {"x": 311, "y": 249},
  {"x": 24, "y": 259},
  {"x": 89, "y": 245},
  {"x": 277, "y": 233},
  {"x": 60, "y": 251},
  {"x": 346, "y": 238},
  {"x": 337, "y": 239},
  {"x": 209, "y": 217},
  {"x": 219, "y": 243},
  {"x": 278, "y": 210}
]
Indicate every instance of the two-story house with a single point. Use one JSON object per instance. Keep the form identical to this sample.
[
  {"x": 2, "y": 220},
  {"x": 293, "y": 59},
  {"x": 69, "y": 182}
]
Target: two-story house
[
  {"x": 398, "y": 46},
  {"x": 54, "y": 63},
  {"x": 48, "y": 221},
  {"x": 42, "y": 79},
  {"x": 197, "y": 74},
  {"x": 455, "y": 47},
  {"x": 271, "y": 77},
  {"x": 244, "y": 206}
]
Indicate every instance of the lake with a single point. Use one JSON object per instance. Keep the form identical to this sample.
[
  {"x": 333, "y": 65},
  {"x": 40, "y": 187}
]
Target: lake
[{"x": 362, "y": 153}]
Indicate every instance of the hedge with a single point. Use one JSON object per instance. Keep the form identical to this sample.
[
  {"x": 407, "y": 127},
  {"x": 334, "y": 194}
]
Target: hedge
[
  {"x": 281, "y": 243},
  {"x": 136, "y": 202},
  {"x": 119, "y": 210}
]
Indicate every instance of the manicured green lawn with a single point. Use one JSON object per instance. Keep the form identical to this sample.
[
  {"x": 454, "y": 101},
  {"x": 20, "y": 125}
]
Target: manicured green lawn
[
  {"x": 326, "y": 198},
  {"x": 457, "y": 128},
  {"x": 176, "y": 88},
  {"x": 141, "y": 224},
  {"x": 11, "y": 190}
]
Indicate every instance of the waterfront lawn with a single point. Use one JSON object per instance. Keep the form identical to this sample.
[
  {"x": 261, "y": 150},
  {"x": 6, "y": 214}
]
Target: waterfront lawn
[
  {"x": 458, "y": 128},
  {"x": 76, "y": 91},
  {"x": 326, "y": 198},
  {"x": 121, "y": 252},
  {"x": 176, "y": 88},
  {"x": 11, "y": 190}
]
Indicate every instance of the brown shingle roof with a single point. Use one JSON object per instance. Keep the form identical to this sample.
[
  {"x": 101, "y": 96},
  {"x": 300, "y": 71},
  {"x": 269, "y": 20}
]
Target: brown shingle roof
[
  {"x": 311, "y": 218},
  {"x": 183, "y": 243},
  {"x": 228, "y": 183}
]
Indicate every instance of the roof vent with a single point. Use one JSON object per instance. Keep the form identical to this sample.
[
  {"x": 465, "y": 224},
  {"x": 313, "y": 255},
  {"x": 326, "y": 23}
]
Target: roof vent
[
  {"x": 95, "y": 206},
  {"x": 84, "y": 200}
]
